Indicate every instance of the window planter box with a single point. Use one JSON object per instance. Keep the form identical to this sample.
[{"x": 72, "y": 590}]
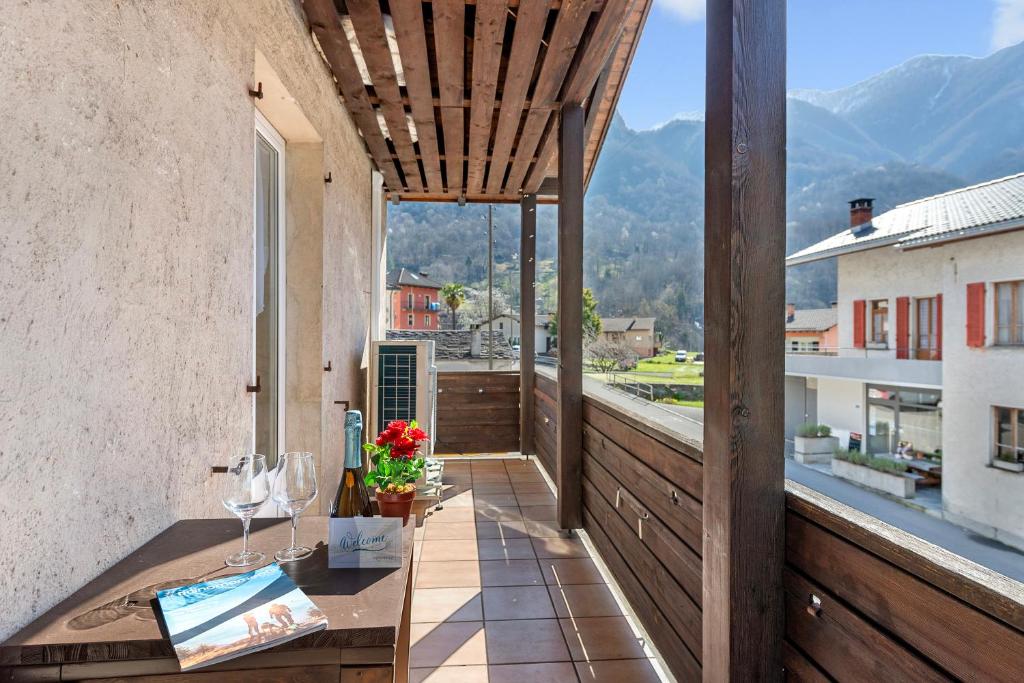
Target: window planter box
[
  {"x": 814, "y": 449},
  {"x": 897, "y": 485},
  {"x": 1008, "y": 466}
]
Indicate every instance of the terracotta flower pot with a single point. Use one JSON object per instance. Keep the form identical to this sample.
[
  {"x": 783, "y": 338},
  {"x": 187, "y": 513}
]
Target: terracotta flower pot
[{"x": 396, "y": 504}]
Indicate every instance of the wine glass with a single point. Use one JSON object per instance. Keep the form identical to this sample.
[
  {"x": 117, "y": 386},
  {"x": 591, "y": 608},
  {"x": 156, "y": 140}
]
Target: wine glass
[
  {"x": 246, "y": 489},
  {"x": 294, "y": 489}
]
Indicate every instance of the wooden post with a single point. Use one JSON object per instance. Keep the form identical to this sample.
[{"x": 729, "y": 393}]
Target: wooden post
[
  {"x": 527, "y": 319},
  {"x": 570, "y": 317},
  {"x": 744, "y": 303}
]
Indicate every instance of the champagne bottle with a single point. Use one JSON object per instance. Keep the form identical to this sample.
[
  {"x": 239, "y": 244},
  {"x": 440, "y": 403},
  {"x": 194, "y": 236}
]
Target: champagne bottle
[{"x": 352, "y": 498}]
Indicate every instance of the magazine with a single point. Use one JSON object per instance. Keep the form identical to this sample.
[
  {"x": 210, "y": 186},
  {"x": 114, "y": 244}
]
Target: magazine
[{"x": 221, "y": 619}]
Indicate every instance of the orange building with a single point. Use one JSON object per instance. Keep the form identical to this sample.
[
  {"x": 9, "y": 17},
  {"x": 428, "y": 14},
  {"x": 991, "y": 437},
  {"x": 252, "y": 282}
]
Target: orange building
[
  {"x": 414, "y": 301},
  {"x": 811, "y": 330}
]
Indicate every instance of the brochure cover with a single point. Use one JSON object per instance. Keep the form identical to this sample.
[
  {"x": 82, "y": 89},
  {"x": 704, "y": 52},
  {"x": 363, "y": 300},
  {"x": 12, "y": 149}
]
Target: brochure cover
[{"x": 221, "y": 619}]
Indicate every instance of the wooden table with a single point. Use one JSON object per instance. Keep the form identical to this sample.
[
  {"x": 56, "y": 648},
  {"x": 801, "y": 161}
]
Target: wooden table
[{"x": 107, "y": 631}]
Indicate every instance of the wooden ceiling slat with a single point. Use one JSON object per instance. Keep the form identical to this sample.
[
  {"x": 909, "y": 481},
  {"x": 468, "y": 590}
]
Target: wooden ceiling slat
[
  {"x": 598, "y": 50},
  {"x": 450, "y": 51},
  {"x": 529, "y": 32},
  {"x": 568, "y": 31},
  {"x": 373, "y": 43},
  {"x": 411, "y": 37},
  {"x": 488, "y": 41},
  {"x": 325, "y": 24}
]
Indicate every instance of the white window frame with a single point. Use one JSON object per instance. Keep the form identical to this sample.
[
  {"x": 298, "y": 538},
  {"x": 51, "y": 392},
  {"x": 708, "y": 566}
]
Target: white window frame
[{"x": 264, "y": 129}]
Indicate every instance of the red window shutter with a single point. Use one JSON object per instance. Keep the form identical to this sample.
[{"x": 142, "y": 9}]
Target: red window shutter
[
  {"x": 903, "y": 327},
  {"x": 938, "y": 327},
  {"x": 859, "y": 309},
  {"x": 976, "y": 314}
]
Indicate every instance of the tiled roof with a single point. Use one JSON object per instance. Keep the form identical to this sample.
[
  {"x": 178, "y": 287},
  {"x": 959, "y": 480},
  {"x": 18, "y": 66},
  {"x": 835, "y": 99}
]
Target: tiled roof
[
  {"x": 405, "y": 276},
  {"x": 455, "y": 344},
  {"x": 812, "y": 320},
  {"x": 988, "y": 207},
  {"x": 625, "y": 324}
]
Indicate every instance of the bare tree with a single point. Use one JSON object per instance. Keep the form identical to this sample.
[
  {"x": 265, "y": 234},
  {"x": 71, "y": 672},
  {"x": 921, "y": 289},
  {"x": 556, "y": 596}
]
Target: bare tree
[{"x": 607, "y": 356}]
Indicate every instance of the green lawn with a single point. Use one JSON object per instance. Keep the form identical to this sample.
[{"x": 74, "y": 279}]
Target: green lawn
[{"x": 662, "y": 370}]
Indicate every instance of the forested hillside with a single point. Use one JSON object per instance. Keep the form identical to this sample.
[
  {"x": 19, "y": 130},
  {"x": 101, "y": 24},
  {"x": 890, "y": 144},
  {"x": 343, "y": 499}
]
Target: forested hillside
[{"x": 926, "y": 126}]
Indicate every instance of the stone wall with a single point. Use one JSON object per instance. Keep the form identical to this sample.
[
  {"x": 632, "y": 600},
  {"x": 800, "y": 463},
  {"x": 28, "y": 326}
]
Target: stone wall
[{"x": 126, "y": 268}]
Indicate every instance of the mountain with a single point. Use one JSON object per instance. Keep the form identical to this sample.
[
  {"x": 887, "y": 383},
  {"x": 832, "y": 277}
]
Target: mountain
[{"x": 929, "y": 125}]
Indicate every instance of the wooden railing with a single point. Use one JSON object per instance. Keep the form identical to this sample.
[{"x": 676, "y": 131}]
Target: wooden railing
[
  {"x": 477, "y": 412},
  {"x": 864, "y": 600},
  {"x": 642, "y": 510}
]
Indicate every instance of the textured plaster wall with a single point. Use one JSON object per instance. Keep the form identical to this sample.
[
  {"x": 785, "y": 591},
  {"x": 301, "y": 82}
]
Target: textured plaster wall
[
  {"x": 973, "y": 381},
  {"x": 126, "y": 267}
]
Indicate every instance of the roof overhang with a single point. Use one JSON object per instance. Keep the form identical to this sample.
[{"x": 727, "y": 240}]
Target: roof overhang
[{"x": 458, "y": 100}]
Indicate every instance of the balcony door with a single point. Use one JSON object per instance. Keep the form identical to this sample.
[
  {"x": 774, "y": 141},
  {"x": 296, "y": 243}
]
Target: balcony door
[
  {"x": 268, "y": 291},
  {"x": 927, "y": 347}
]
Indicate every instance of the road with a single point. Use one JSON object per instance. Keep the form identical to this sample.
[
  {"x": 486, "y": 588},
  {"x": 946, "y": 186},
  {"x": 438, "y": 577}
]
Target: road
[{"x": 963, "y": 542}]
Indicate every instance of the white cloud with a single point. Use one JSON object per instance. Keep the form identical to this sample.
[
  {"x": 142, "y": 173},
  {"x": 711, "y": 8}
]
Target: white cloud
[
  {"x": 1008, "y": 23},
  {"x": 687, "y": 10}
]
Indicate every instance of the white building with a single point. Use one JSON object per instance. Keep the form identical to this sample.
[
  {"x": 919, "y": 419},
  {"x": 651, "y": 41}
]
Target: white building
[
  {"x": 508, "y": 324},
  {"x": 931, "y": 344}
]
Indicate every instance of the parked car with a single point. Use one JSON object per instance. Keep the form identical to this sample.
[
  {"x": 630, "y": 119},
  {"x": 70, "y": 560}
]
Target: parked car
[
  {"x": 698, "y": 358},
  {"x": 680, "y": 356}
]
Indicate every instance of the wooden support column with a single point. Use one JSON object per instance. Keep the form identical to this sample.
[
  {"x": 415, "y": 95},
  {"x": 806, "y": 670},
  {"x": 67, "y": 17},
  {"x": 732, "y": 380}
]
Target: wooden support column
[
  {"x": 527, "y": 319},
  {"x": 744, "y": 299},
  {"x": 570, "y": 316}
]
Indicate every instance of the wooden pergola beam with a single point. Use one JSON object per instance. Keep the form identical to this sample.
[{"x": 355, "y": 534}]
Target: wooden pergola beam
[
  {"x": 744, "y": 290},
  {"x": 569, "y": 455}
]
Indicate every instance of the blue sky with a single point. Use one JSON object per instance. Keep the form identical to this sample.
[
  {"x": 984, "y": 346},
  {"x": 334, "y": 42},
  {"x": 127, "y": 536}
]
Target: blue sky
[{"x": 832, "y": 43}]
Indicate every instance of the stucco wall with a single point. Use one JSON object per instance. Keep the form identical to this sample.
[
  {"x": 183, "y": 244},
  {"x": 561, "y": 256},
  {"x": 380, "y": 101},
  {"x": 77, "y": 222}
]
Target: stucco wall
[
  {"x": 974, "y": 380},
  {"x": 883, "y": 273},
  {"x": 126, "y": 269},
  {"x": 841, "y": 407}
]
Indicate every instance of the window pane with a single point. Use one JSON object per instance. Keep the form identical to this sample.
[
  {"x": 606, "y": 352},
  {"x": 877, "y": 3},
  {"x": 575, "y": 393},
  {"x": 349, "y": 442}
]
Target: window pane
[
  {"x": 881, "y": 427},
  {"x": 921, "y": 427},
  {"x": 926, "y": 398},
  {"x": 1004, "y": 312},
  {"x": 265, "y": 283},
  {"x": 1004, "y": 426},
  {"x": 1018, "y": 332}
]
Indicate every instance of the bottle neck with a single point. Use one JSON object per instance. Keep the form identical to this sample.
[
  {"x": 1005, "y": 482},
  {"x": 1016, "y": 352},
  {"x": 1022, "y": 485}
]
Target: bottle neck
[{"x": 353, "y": 447}]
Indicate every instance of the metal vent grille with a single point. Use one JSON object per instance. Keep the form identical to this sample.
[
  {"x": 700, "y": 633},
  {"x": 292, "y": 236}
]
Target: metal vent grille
[{"x": 396, "y": 387}]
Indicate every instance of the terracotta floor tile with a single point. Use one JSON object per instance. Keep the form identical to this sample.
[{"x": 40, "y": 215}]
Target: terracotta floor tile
[
  {"x": 458, "y": 499},
  {"x": 448, "y": 575},
  {"x": 586, "y": 600},
  {"x": 498, "y": 514},
  {"x": 449, "y": 674},
  {"x": 570, "y": 571},
  {"x": 446, "y": 604},
  {"x": 549, "y": 672},
  {"x": 547, "y": 529},
  {"x": 502, "y": 500},
  {"x": 615, "y": 671},
  {"x": 452, "y": 531},
  {"x": 540, "y": 513},
  {"x": 449, "y": 551},
  {"x": 451, "y": 514},
  {"x": 508, "y": 573},
  {"x": 505, "y": 530},
  {"x": 560, "y": 547},
  {"x": 505, "y": 549},
  {"x": 531, "y": 487},
  {"x": 517, "y": 602},
  {"x": 529, "y": 640},
  {"x": 593, "y": 638},
  {"x": 447, "y": 644},
  {"x": 485, "y": 487},
  {"x": 535, "y": 499}
]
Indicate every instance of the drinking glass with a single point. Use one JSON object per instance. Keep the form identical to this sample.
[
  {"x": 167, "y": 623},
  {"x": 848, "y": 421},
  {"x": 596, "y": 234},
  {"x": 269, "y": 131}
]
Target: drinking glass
[
  {"x": 246, "y": 489},
  {"x": 294, "y": 489}
]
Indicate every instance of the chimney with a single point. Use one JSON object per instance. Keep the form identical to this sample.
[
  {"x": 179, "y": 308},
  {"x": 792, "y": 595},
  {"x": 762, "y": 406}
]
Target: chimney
[
  {"x": 860, "y": 211},
  {"x": 790, "y": 312}
]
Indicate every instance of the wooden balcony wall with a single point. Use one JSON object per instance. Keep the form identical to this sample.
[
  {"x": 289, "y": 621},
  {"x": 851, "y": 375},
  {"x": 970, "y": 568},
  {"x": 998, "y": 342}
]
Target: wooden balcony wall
[
  {"x": 477, "y": 412},
  {"x": 642, "y": 510},
  {"x": 892, "y": 607}
]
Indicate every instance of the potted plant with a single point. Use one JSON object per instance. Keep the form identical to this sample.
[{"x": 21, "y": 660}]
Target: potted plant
[
  {"x": 814, "y": 443},
  {"x": 397, "y": 465},
  {"x": 880, "y": 473}
]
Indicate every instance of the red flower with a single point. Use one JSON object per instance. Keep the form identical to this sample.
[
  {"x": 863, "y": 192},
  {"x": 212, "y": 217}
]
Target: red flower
[{"x": 417, "y": 434}]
